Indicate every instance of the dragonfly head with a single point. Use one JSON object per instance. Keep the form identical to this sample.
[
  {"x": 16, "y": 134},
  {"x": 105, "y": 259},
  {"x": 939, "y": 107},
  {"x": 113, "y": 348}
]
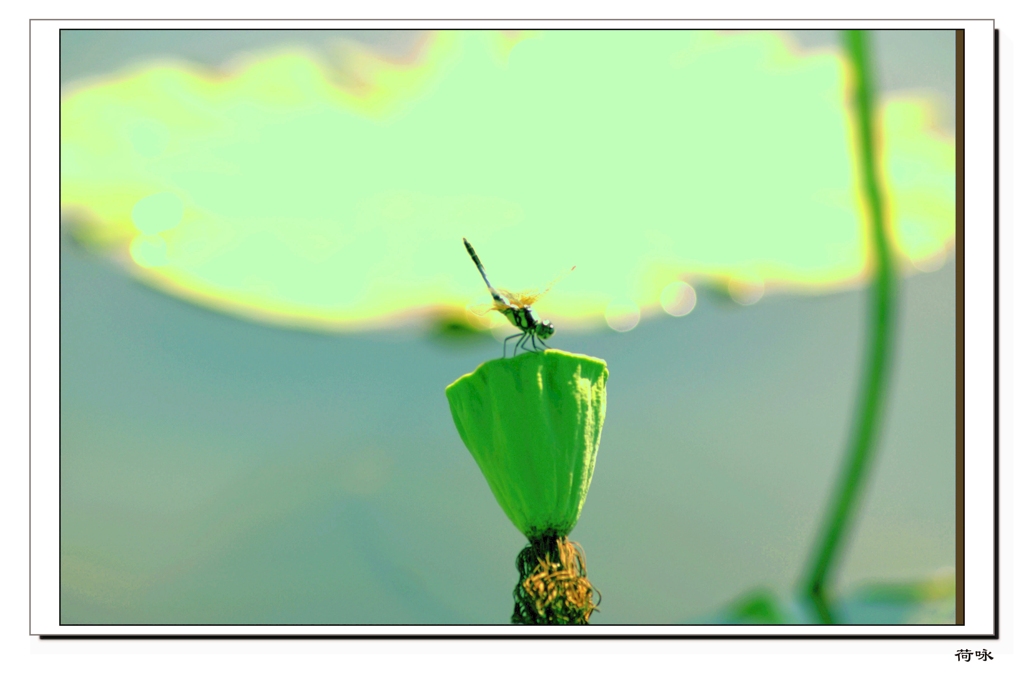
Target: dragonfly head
[{"x": 545, "y": 329}]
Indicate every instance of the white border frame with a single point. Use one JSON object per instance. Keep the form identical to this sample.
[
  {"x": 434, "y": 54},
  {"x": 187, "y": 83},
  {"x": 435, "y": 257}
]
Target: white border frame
[{"x": 979, "y": 300}]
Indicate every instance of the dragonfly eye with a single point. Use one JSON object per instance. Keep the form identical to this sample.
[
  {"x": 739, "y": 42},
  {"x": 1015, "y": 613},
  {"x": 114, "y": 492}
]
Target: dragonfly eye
[{"x": 545, "y": 329}]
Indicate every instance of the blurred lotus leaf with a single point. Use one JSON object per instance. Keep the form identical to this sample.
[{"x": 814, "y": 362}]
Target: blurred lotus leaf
[{"x": 301, "y": 189}]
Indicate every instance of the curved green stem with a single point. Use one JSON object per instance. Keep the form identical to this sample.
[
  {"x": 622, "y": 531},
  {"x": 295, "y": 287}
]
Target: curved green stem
[{"x": 874, "y": 380}]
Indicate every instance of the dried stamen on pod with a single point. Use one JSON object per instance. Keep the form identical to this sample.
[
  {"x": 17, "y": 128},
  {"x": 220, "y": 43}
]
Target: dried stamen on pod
[{"x": 553, "y": 588}]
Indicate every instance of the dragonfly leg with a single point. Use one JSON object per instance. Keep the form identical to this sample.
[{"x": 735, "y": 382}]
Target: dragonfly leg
[
  {"x": 521, "y": 342},
  {"x": 505, "y": 344},
  {"x": 543, "y": 343}
]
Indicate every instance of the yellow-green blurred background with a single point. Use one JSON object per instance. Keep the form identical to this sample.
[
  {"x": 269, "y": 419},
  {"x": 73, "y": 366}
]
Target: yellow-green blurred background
[{"x": 263, "y": 294}]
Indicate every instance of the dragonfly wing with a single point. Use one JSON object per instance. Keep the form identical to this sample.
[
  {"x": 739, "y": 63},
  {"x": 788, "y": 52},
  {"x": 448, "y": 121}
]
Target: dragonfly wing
[
  {"x": 533, "y": 296},
  {"x": 521, "y": 300},
  {"x": 483, "y": 308}
]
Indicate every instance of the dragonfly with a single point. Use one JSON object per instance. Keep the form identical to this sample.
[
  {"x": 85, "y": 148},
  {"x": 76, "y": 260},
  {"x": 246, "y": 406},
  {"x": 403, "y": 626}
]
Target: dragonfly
[{"x": 518, "y": 309}]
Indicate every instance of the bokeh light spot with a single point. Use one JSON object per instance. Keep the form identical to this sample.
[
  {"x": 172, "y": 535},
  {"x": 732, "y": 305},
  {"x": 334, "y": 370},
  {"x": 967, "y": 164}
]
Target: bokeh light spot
[
  {"x": 746, "y": 291},
  {"x": 622, "y": 315},
  {"x": 678, "y": 299}
]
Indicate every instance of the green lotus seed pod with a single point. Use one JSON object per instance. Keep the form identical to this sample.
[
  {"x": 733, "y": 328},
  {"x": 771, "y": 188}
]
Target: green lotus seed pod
[{"x": 533, "y": 424}]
